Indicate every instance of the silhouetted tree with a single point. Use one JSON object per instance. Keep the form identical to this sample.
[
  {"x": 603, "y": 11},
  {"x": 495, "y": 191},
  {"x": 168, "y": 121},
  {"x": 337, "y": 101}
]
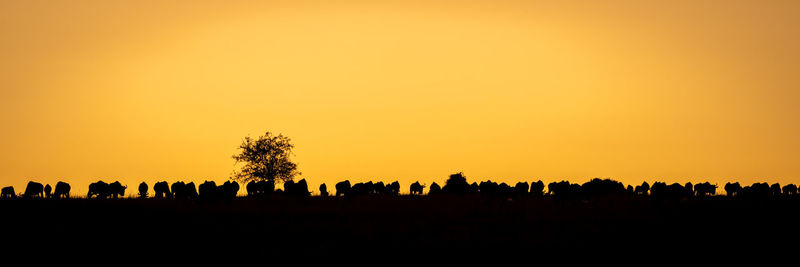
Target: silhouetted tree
[
  {"x": 456, "y": 184},
  {"x": 435, "y": 189},
  {"x": 266, "y": 159}
]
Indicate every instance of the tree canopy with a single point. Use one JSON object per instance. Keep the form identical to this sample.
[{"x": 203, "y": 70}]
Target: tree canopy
[{"x": 266, "y": 158}]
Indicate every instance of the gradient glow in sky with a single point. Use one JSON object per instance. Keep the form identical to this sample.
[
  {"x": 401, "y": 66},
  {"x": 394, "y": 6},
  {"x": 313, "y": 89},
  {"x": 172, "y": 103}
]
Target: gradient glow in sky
[{"x": 401, "y": 90}]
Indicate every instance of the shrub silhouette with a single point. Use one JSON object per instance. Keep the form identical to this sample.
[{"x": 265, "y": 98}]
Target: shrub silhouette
[
  {"x": 456, "y": 184},
  {"x": 435, "y": 189}
]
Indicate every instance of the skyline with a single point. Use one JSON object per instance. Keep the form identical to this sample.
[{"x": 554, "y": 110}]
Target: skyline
[{"x": 135, "y": 91}]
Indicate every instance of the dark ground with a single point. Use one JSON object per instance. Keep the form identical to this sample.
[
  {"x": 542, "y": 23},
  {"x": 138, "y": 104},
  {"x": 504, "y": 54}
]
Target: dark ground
[{"x": 406, "y": 225}]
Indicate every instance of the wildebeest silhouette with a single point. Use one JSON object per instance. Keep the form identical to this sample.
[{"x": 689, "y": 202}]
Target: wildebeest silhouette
[
  {"x": 178, "y": 190},
  {"x": 33, "y": 189},
  {"x": 323, "y": 190},
  {"x": 260, "y": 188},
  {"x": 251, "y": 188},
  {"x": 775, "y": 190},
  {"x": 537, "y": 188},
  {"x": 488, "y": 188},
  {"x": 47, "y": 191},
  {"x": 298, "y": 189},
  {"x": 343, "y": 188},
  {"x": 99, "y": 189},
  {"x": 162, "y": 190},
  {"x": 116, "y": 189},
  {"x": 207, "y": 190},
  {"x": 228, "y": 190},
  {"x": 756, "y": 191},
  {"x": 416, "y": 188},
  {"x": 143, "y": 190},
  {"x": 521, "y": 188},
  {"x": 378, "y": 188},
  {"x": 360, "y": 189},
  {"x": 8, "y": 192},
  {"x": 564, "y": 190},
  {"x": 455, "y": 184},
  {"x": 62, "y": 190},
  {"x": 705, "y": 189},
  {"x": 790, "y": 190},
  {"x": 191, "y": 191},
  {"x": 602, "y": 188},
  {"x": 658, "y": 190},
  {"x": 688, "y": 188},
  {"x": 435, "y": 189},
  {"x": 732, "y": 189},
  {"x": 393, "y": 188},
  {"x": 642, "y": 189}
]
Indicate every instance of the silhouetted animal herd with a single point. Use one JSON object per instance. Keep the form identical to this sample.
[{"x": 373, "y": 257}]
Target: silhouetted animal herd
[{"x": 456, "y": 184}]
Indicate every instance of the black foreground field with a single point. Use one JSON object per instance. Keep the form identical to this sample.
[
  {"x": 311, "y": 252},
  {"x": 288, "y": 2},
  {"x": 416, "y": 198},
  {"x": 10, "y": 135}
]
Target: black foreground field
[{"x": 419, "y": 225}]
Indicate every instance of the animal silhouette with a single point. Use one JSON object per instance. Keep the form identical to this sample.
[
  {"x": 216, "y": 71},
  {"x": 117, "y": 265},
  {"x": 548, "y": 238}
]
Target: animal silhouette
[
  {"x": 393, "y": 188},
  {"x": 162, "y": 190},
  {"x": 323, "y": 190},
  {"x": 34, "y": 190},
  {"x": 298, "y": 189},
  {"x": 228, "y": 190},
  {"x": 116, "y": 189},
  {"x": 99, "y": 189},
  {"x": 343, "y": 188},
  {"x": 8, "y": 192},
  {"x": 179, "y": 190},
  {"x": 207, "y": 191},
  {"x": 705, "y": 189},
  {"x": 732, "y": 189},
  {"x": 521, "y": 188},
  {"x": 47, "y": 191},
  {"x": 790, "y": 190},
  {"x": 143, "y": 190},
  {"x": 537, "y": 188},
  {"x": 642, "y": 190},
  {"x": 62, "y": 190},
  {"x": 191, "y": 191},
  {"x": 416, "y": 188},
  {"x": 775, "y": 189}
]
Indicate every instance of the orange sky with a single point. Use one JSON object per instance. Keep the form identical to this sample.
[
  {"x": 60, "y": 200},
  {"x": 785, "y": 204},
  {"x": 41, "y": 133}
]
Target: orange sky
[{"x": 401, "y": 90}]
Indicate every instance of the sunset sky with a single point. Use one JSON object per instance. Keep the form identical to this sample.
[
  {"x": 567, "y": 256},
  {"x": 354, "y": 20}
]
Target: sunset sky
[{"x": 405, "y": 90}]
